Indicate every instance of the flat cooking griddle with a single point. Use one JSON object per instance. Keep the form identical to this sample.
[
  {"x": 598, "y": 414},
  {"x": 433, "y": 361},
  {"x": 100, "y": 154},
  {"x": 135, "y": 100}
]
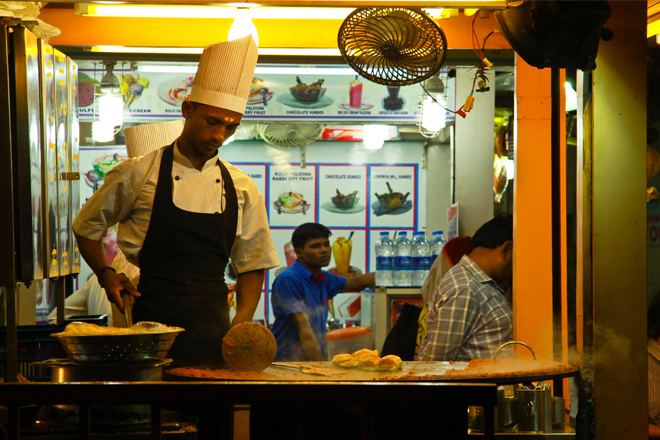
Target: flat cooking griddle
[{"x": 411, "y": 371}]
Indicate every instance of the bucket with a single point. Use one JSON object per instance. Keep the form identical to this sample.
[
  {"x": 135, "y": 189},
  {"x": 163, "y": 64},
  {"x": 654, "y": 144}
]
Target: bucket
[
  {"x": 349, "y": 340},
  {"x": 534, "y": 409}
]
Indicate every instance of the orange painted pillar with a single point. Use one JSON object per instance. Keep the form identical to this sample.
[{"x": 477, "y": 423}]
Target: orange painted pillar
[{"x": 532, "y": 254}]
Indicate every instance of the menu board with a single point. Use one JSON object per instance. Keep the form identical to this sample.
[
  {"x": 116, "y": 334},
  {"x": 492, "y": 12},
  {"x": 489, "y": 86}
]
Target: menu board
[
  {"x": 394, "y": 189},
  {"x": 292, "y": 195},
  {"x": 343, "y": 195},
  {"x": 273, "y": 97}
]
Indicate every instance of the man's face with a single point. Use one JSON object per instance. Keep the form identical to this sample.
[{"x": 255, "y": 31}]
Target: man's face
[
  {"x": 208, "y": 127},
  {"x": 316, "y": 253}
]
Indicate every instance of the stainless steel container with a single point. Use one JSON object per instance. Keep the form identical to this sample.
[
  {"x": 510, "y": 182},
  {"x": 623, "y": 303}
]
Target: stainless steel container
[
  {"x": 534, "y": 409},
  {"x": 557, "y": 411},
  {"x": 505, "y": 414}
]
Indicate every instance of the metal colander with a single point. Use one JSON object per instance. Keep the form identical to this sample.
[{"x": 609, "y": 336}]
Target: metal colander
[{"x": 118, "y": 348}]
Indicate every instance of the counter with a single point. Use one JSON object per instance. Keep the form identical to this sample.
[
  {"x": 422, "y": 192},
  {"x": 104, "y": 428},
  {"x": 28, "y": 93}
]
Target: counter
[{"x": 442, "y": 404}]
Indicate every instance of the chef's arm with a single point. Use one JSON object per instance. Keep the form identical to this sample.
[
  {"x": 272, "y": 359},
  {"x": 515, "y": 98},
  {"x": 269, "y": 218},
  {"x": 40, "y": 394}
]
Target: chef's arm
[
  {"x": 306, "y": 335},
  {"x": 248, "y": 293},
  {"x": 355, "y": 284},
  {"x": 113, "y": 283}
]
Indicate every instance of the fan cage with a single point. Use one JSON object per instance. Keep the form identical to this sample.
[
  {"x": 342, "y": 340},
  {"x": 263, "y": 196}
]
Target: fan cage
[
  {"x": 392, "y": 46},
  {"x": 287, "y": 136}
]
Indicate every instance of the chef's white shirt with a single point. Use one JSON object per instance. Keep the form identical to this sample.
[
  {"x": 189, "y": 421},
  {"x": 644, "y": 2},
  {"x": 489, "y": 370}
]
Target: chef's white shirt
[{"x": 127, "y": 196}]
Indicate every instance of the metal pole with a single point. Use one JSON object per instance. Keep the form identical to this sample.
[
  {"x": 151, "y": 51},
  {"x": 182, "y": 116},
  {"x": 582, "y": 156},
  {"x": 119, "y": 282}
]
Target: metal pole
[
  {"x": 555, "y": 161},
  {"x": 12, "y": 334}
]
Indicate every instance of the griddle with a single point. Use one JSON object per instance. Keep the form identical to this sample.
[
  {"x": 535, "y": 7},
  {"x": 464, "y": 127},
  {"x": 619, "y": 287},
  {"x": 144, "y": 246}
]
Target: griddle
[{"x": 410, "y": 371}]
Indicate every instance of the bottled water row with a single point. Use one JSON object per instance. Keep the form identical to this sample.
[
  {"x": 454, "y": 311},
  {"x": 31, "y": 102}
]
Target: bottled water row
[{"x": 406, "y": 263}]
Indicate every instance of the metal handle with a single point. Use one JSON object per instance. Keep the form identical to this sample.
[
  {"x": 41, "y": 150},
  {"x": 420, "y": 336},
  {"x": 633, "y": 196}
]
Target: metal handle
[
  {"x": 126, "y": 300},
  {"x": 511, "y": 343}
]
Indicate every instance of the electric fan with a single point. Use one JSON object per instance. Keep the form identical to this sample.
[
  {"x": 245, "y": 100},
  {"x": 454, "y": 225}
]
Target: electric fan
[
  {"x": 392, "y": 46},
  {"x": 287, "y": 136}
]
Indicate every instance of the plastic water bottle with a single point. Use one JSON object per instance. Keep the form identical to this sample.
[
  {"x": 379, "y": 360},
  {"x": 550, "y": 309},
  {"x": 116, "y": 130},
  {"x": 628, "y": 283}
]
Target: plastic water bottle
[
  {"x": 437, "y": 243},
  {"x": 384, "y": 252},
  {"x": 402, "y": 275},
  {"x": 421, "y": 258}
]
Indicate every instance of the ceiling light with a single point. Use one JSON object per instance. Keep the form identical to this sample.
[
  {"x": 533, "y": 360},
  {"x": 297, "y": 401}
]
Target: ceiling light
[
  {"x": 657, "y": 39},
  {"x": 148, "y": 68},
  {"x": 243, "y": 26},
  {"x": 167, "y": 69},
  {"x": 433, "y": 117},
  {"x": 102, "y": 132},
  {"x": 111, "y": 109},
  {"x": 290, "y": 51},
  {"x": 207, "y": 11},
  {"x": 469, "y": 12},
  {"x": 136, "y": 49},
  {"x": 374, "y": 136}
]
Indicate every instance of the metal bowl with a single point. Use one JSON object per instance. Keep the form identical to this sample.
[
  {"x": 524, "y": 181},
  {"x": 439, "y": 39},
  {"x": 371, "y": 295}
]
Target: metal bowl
[{"x": 119, "y": 348}]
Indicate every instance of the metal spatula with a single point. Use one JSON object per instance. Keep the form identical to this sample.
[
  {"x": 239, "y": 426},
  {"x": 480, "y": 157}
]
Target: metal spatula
[{"x": 126, "y": 300}]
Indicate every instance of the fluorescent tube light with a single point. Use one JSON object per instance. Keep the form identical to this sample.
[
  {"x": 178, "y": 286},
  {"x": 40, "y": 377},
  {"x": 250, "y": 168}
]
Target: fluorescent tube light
[
  {"x": 174, "y": 11},
  {"x": 136, "y": 49},
  {"x": 167, "y": 69},
  {"x": 325, "y": 71},
  {"x": 291, "y": 51}
]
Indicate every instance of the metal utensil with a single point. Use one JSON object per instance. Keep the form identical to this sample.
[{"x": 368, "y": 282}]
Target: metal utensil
[
  {"x": 308, "y": 370},
  {"x": 126, "y": 300}
]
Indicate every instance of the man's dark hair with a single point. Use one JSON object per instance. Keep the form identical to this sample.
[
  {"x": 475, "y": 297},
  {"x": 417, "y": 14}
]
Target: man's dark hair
[
  {"x": 306, "y": 231},
  {"x": 494, "y": 233},
  {"x": 653, "y": 318}
]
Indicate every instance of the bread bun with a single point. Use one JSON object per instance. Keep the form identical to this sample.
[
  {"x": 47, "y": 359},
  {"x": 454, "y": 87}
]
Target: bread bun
[
  {"x": 350, "y": 364},
  {"x": 341, "y": 358},
  {"x": 364, "y": 353},
  {"x": 370, "y": 363},
  {"x": 389, "y": 363}
]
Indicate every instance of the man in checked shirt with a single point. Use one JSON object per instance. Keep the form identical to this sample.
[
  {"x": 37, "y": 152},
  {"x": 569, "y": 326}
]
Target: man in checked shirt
[{"x": 469, "y": 316}]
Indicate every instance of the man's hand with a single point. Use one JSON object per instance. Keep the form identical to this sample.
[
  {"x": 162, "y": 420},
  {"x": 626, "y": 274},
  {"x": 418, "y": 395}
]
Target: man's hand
[
  {"x": 113, "y": 284},
  {"x": 306, "y": 335}
]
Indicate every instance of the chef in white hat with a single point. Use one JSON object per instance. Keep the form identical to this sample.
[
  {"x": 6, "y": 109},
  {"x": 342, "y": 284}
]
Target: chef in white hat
[{"x": 183, "y": 212}]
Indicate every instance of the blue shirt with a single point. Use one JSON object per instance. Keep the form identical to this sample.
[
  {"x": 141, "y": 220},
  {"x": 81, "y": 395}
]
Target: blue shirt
[{"x": 294, "y": 290}]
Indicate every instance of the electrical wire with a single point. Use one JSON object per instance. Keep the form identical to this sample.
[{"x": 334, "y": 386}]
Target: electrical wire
[{"x": 435, "y": 100}]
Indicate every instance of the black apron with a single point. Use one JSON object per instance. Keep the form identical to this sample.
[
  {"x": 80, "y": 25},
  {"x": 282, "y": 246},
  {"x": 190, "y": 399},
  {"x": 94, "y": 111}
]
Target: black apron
[{"x": 182, "y": 267}]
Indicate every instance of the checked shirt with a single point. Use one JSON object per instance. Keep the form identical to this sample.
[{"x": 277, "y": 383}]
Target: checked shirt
[{"x": 469, "y": 317}]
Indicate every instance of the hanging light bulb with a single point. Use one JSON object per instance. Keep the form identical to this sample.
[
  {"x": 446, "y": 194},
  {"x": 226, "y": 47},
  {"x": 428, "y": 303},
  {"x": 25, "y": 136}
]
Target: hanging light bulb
[
  {"x": 111, "y": 109},
  {"x": 243, "y": 26},
  {"x": 102, "y": 131},
  {"x": 374, "y": 136},
  {"x": 433, "y": 115}
]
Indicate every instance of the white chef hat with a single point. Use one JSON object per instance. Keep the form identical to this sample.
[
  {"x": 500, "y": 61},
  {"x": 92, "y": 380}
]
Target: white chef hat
[
  {"x": 143, "y": 139},
  {"x": 224, "y": 75}
]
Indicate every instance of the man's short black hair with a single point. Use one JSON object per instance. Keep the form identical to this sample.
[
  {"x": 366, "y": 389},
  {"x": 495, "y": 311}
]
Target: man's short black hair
[
  {"x": 306, "y": 231},
  {"x": 494, "y": 233},
  {"x": 653, "y": 318}
]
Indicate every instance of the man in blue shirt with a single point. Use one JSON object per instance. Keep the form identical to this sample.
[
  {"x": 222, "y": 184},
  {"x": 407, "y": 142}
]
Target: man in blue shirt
[{"x": 301, "y": 292}]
